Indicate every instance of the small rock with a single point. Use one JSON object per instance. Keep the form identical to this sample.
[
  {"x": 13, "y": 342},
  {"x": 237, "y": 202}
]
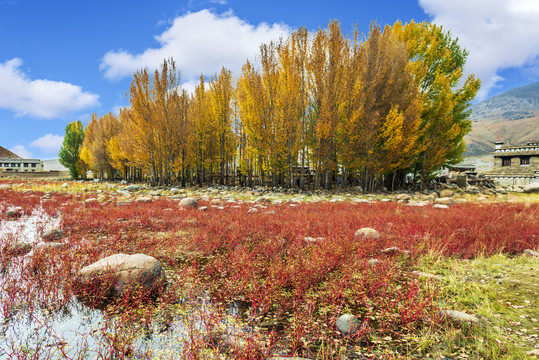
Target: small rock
[
  {"x": 17, "y": 249},
  {"x": 531, "y": 188},
  {"x": 203, "y": 208},
  {"x": 403, "y": 197},
  {"x": 426, "y": 275},
  {"x": 144, "y": 199},
  {"x": 459, "y": 316},
  {"x": 367, "y": 233},
  {"x": 348, "y": 324},
  {"x": 252, "y": 210},
  {"x": 132, "y": 188},
  {"x": 446, "y": 193},
  {"x": 440, "y": 206},
  {"x": 52, "y": 234},
  {"x": 530, "y": 252},
  {"x": 444, "y": 201},
  {"x": 64, "y": 186},
  {"x": 189, "y": 202},
  {"x": 5, "y": 187}
]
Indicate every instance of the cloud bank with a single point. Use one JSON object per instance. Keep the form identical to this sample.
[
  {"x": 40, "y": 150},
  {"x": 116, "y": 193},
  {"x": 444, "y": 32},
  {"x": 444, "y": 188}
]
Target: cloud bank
[
  {"x": 40, "y": 98},
  {"x": 200, "y": 43},
  {"x": 498, "y": 34},
  {"x": 48, "y": 144}
]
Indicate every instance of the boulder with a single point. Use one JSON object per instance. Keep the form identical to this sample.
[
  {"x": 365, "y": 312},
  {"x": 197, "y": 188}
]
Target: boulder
[
  {"x": 532, "y": 188},
  {"x": 189, "y": 202},
  {"x": 114, "y": 276},
  {"x": 14, "y": 213},
  {"x": 348, "y": 324},
  {"x": 132, "y": 188},
  {"x": 216, "y": 202},
  {"x": 17, "y": 249},
  {"x": 367, "y": 233},
  {"x": 404, "y": 197},
  {"x": 52, "y": 234},
  {"x": 440, "y": 206},
  {"x": 444, "y": 201},
  {"x": 459, "y": 316},
  {"x": 530, "y": 252},
  {"x": 144, "y": 199},
  {"x": 446, "y": 193}
]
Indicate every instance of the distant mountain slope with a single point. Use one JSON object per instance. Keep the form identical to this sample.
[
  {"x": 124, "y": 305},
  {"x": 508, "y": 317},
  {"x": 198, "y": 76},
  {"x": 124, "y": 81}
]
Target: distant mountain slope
[
  {"x": 513, "y": 115},
  {"x": 6, "y": 154}
]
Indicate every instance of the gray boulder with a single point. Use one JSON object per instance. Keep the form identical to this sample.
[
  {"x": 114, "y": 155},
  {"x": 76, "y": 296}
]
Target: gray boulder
[
  {"x": 116, "y": 275},
  {"x": 52, "y": 234},
  {"x": 132, "y": 188},
  {"x": 189, "y": 202},
  {"x": 367, "y": 233},
  {"x": 532, "y": 188},
  {"x": 348, "y": 324}
]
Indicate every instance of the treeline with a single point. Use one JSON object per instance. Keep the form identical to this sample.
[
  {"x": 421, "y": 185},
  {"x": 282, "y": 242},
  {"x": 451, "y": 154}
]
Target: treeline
[{"x": 318, "y": 110}]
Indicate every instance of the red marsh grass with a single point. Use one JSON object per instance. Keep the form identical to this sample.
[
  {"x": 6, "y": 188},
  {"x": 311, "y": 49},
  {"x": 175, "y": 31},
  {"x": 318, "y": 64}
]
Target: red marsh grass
[{"x": 293, "y": 270}]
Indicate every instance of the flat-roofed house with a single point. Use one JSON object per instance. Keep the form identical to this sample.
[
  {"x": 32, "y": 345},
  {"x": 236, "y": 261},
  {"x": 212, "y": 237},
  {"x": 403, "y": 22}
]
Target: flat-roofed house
[
  {"x": 13, "y": 162},
  {"x": 515, "y": 165}
]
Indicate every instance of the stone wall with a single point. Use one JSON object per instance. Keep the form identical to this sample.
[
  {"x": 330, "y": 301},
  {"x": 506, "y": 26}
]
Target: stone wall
[
  {"x": 512, "y": 181},
  {"x": 53, "y": 174}
]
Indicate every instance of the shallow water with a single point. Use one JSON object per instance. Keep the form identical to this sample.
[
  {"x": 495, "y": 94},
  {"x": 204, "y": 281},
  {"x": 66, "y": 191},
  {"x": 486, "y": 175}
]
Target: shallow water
[{"x": 28, "y": 228}]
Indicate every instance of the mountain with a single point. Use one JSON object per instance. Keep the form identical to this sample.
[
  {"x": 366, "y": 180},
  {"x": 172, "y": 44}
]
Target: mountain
[
  {"x": 513, "y": 115},
  {"x": 6, "y": 154}
]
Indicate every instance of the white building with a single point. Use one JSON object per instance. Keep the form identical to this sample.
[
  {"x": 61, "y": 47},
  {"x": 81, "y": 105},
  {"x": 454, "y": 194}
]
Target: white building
[{"x": 13, "y": 162}]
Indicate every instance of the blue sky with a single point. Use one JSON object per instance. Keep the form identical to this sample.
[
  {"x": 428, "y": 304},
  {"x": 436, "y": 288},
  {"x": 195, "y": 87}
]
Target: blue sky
[{"x": 60, "y": 61}]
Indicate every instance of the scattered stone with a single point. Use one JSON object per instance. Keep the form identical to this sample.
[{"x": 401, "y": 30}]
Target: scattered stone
[
  {"x": 531, "y": 188},
  {"x": 203, "y": 208},
  {"x": 394, "y": 250},
  {"x": 418, "y": 203},
  {"x": 348, "y": 324},
  {"x": 446, "y": 193},
  {"x": 426, "y": 275},
  {"x": 530, "y": 252},
  {"x": 144, "y": 199},
  {"x": 17, "y": 249},
  {"x": 252, "y": 210},
  {"x": 373, "y": 262},
  {"x": 14, "y": 213},
  {"x": 444, "y": 201},
  {"x": 5, "y": 187},
  {"x": 174, "y": 191},
  {"x": 132, "y": 188},
  {"x": 216, "y": 202},
  {"x": 64, "y": 186},
  {"x": 367, "y": 233},
  {"x": 52, "y": 234},
  {"x": 189, "y": 202},
  {"x": 117, "y": 274},
  {"x": 96, "y": 181},
  {"x": 90, "y": 201},
  {"x": 123, "y": 182},
  {"x": 403, "y": 197},
  {"x": 123, "y": 203},
  {"x": 440, "y": 206},
  {"x": 459, "y": 316},
  {"x": 154, "y": 193}
]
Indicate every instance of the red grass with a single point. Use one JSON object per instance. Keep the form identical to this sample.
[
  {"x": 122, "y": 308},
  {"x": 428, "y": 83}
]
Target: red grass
[{"x": 264, "y": 259}]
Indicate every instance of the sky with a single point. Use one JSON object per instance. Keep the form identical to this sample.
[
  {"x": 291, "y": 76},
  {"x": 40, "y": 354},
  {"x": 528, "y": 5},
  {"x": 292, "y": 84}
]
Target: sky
[{"x": 61, "y": 61}]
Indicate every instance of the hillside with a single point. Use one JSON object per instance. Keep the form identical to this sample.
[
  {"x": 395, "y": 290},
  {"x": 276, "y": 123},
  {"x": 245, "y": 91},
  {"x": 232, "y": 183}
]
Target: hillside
[{"x": 513, "y": 115}]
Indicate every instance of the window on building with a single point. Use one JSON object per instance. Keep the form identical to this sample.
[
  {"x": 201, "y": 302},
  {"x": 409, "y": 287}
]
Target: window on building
[
  {"x": 34, "y": 165},
  {"x": 13, "y": 164},
  {"x": 506, "y": 162},
  {"x": 524, "y": 160},
  {"x": 25, "y": 164}
]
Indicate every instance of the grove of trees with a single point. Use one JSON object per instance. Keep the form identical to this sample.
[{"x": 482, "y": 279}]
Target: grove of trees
[{"x": 318, "y": 110}]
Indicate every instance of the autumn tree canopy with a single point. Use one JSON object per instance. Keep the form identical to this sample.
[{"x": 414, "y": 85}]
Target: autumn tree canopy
[{"x": 319, "y": 110}]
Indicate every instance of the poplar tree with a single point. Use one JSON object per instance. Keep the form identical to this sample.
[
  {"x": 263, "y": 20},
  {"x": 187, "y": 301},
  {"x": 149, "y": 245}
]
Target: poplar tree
[{"x": 70, "y": 151}]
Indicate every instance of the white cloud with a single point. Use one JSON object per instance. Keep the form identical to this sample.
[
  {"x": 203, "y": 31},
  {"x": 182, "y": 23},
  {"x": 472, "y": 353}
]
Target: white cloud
[
  {"x": 200, "y": 43},
  {"x": 498, "y": 34},
  {"x": 48, "y": 143},
  {"x": 40, "y": 98},
  {"x": 21, "y": 151}
]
